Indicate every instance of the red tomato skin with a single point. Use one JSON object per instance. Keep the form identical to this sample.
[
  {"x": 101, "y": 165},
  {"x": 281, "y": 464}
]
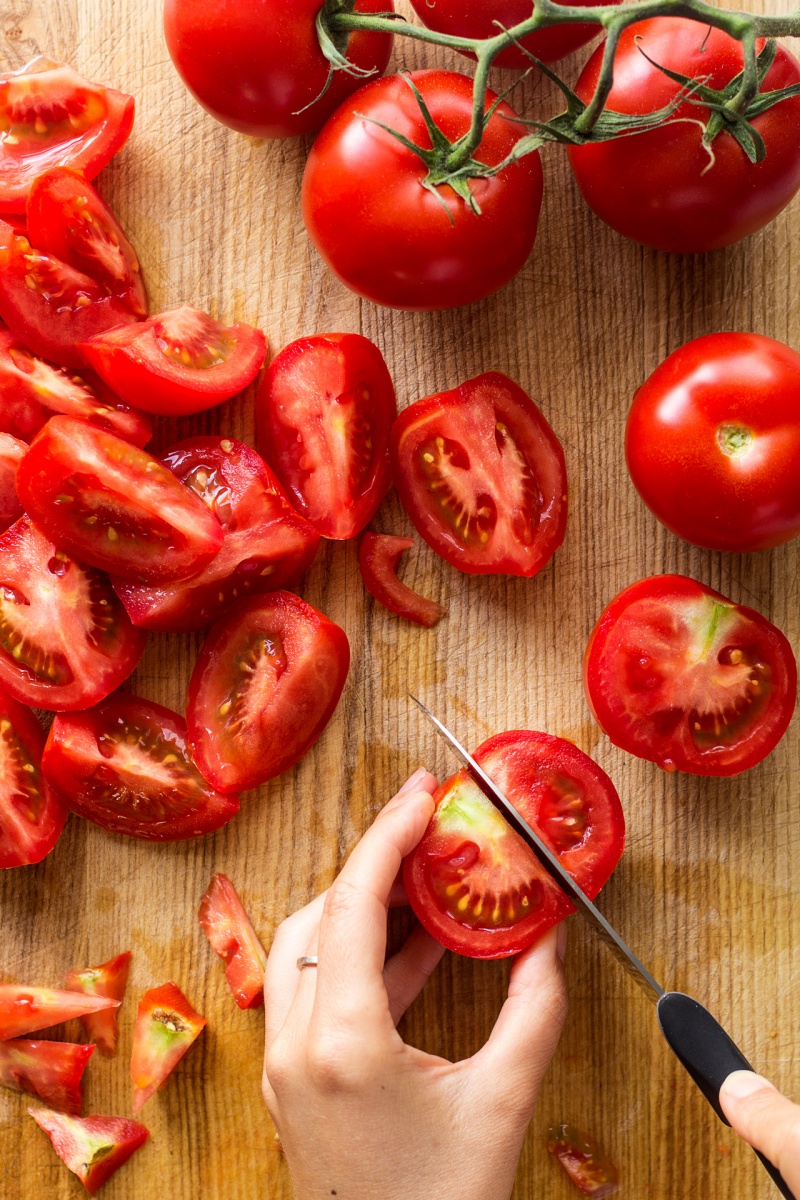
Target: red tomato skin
[
  {"x": 12, "y": 452},
  {"x": 721, "y": 501},
  {"x": 586, "y": 1164},
  {"x": 109, "y": 979},
  {"x": 27, "y": 835},
  {"x": 378, "y": 556},
  {"x": 310, "y": 386},
  {"x": 229, "y": 930},
  {"x": 388, "y": 238},
  {"x": 26, "y": 1010},
  {"x": 155, "y": 1054},
  {"x": 658, "y": 187},
  {"x": 93, "y": 1148},
  {"x": 51, "y": 1071},
  {"x": 259, "y": 69}
]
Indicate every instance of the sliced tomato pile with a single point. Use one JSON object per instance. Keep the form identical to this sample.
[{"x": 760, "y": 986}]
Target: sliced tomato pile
[
  {"x": 166, "y": 1026},
  {"x": 229, "y": 930},
  {"x": 51, "y": 1071},
  {"x": 378, "y": 556},
  {"x": 93, "y": 1148},
  {"x": 12, "y": 452},
  {"x": 110, "y": 980},
  {"x": 32, "y": 811}
]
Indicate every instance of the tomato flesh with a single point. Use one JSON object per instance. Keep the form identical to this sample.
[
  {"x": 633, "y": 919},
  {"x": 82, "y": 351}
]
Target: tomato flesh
[
  {"x": 109, "y": 979},
  {"x": 166, "y": 1026},
  {"x": 32, "y": 813},
  {"x": 589, "y": 1168},
  {"x": 93, "y": 1148},
  {"x": 474, "y": 884},
  {"x": 51, "y": 1071},
  {"x": 12, "y": 452},
  {"x": 677, "y": 674},
  {"x": 324, "y": 412},
  {"x": 25, "y": 1010},
  {"x": 229, "y": 930},
  {"x": 378, "y": 556}
]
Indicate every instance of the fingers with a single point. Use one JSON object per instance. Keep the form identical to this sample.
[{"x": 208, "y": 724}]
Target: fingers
[
  {"x": 281, "y": 977},
  {"x": 407, "y": 972},
  {"x": 765, "y": 1119}
]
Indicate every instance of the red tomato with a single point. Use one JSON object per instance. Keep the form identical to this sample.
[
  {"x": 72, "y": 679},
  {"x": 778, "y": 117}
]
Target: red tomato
[
  {"x": 166, "y": 1026},
  {"x": 378, "y": 556},
  {"x": 713, "y": 442},
  {"x": 228, "y": 928},
  {"x": 125, "y": 765},
  {"x": 677, "y": 674},
  {"x": 51, "y": 1071},
  {"x": 110, "y": 979},
  {"x": 474, "y": 884},
  {"x": 32, "y": 813},
  {"x": 483, "y": 477},
  {"x": 324, "y": 411},
  {"x": 113, "y": 506},
  {"x": 259, "y": 68},
  {"x": 12, "y": 452},
  {"x": 182, "y": 361},
  {"x": 264, "y": 687},
  {"x": 68, "y": 218},
  {"x": 663, "y": 188},
  {"x": 395, "y": 242},
  {"x": 25, "y": 1010},
  {"x": 51, "y": 116},
  {"x": 267, "y": 545},
  {"x": 93, "y": 1148},
  {"x": 65, "y": 639},
  {"x": 587, "y": 1166}
]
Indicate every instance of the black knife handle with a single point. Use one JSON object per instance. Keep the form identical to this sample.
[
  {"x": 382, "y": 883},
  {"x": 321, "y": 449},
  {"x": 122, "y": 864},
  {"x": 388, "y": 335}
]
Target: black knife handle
[{"x": 703, "y": 1047}]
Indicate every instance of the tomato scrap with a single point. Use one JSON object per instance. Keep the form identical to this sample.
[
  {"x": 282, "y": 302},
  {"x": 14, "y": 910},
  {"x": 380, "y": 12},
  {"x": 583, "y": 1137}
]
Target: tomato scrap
[
  {"x": 378, "y": 556},
  {"x": 93, "y": 1148},
  {"x": 589, "y": 1168},
  {"x": 166, "y": 1026},
  {"x": 109, "y": 979},
  {"x": 51, "y": 1071},
  {"x": 32, "y": 812},
  {"x": 25, "y": 1010},
  {"x": 229, "y": 930},
  {"x": 12, "y": 452}
]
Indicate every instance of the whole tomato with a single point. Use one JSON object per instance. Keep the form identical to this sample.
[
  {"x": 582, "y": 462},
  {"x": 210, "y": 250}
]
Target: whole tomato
[
  {"x": 398, "y": 243},
  {"x": 257, "y": 66},
  {"x": 663, "y": 188},
  {"x": 713, "y": 442}
]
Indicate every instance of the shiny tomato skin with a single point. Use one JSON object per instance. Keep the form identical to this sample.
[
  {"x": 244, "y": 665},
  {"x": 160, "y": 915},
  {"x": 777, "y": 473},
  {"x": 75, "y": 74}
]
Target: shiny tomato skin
[
  {"x": 93, "y": 1148},
  {"x": 661, "y": 187},
  {"x": 110, "y": 979},
  {"x": 266, "y": 547},
  {"x": 713, "y": 442},
  {"x": 324, "y": 412},
  {"x": 391, "y": 240},
  {"x": 50, "y": 1071},
  {"x": 677, "y": 674},
  {"x": 166, "y": 1026},
  {"x": 12, "y": 452},
  {"x": 32, "y": 812},
  {"x": 378, "y": 556},
  {"x": 295, "y": 661}
]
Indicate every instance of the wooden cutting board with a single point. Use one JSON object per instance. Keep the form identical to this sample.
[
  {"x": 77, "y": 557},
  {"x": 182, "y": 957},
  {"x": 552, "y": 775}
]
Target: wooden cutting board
[{"x": 706, "y": 890}]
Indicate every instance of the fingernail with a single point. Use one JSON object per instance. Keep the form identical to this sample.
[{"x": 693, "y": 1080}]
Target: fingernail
[
  {"x": 561, "y": 941},
  {"x": 412, "y": 782},
  {"x": 741, "y": 1085}
]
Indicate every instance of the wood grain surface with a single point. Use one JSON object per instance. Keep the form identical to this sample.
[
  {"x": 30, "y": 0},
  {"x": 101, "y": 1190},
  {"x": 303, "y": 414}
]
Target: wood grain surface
[{"x": 707, "y": 888}]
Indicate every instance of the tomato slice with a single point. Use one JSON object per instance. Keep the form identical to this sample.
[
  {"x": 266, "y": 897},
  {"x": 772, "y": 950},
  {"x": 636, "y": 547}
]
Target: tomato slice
[
  {"x": 589, "y": 1168},
  {"x": 51, "y": 1071},
  {"x": 12, "y": 452},
  {"x": 51, "y": 116},
  {"x": 472, "y": 881},
  {"x": 324, "y": 412},
  {"x": 677, "y": 674},
  {"x": 114, "y": 506},
  {"x": 93, "y": 1148},
  {"x": 228, "y": 928},
  {"x": 267, "y": 545},
  {"x": 32, "y": 813},
  {"x": 378, "y": 556},
  {"x": 166, "y": 1026},
  {"x": 483, "y": 477},
  {"x": 109, "y": 979},
  {"x": 264, "y": 687},
  {"x": 181, "y": 361},
  {"x": 25, "y": 1010}
]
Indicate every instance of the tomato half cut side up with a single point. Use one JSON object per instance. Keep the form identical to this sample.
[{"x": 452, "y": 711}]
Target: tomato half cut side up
[
  {"x": 12, "y": 452},
  {"x": 126, "y": 766},
  {"x": 51, "y": 116},
  {"x": 677, "y": 674},
  {"x": 378, "y": 556},
  {"x": 586, "y": 1164},
  {"x": 323, "y": 413},
  {"x": 228, "y": 928},
  {"x": 267, "y": 544},
  {"x": 51, "y": 1071},
  {"x": 181, "y": 361},
  {"x": 264, "y": 687},
  {"x": 114, "y": 506},
  {"x": 93, "y": 1148},
  {"x": 25, "y": 1010},
  {"x": 109, "y": 979},
  {"x": 32, "y": 812},
  {"x": 483, "y": 477},
  {"x": 474, "y": 884},
  {"x": 166, "y": 1026}
]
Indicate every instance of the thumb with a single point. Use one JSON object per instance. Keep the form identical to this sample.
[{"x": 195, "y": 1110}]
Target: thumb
[{"x": 766, "y": 1119}]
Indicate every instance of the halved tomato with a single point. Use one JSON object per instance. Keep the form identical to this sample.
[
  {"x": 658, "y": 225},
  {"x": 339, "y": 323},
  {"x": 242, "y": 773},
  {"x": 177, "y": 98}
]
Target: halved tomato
[
  {"x": 166, "y": 1026},
  {"x": 32, "y": 813},
  {"x": 27, "y": 1009},
  {"x": 263, "y": 689},
  {"x": 125, "y": 765},
  {"x": 472, "y": 881},
  {"x": 114, "y": 506},
  {"x": 65, "y": 639},
  {"x": 677, "y": 674},
  {"x": 378, "y": 556},
  {"x": 589, "y": 1167},
  {"x": 228, "y": 928},
  {"x": 93, "y": 1148},
  {"x": 181, "y": 361},
  {"x": 324, "y": 412},
  {"x": 267, "y": 545},
  {"x": 12, "y": 452},
  {"x": 51, "y": 116},
  {"x": 109, "y": 979},
  {"x": 483, "y": 477},
  {"x": 51, "y": 1071}
]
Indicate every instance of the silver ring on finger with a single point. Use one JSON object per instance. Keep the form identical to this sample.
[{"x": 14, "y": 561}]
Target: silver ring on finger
[{"x": 308, "y": 960}]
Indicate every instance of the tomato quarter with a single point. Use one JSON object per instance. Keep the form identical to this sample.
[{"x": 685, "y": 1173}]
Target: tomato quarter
[
  {"x": 378, "y": 556},
  {"x": 109, "y": 979},
  {"x": 166, "y": 1026},
  {"x": 32, "y": 813},
  {"x": 93, "y": 1148},
  {"x": 51, "y": 1071}
]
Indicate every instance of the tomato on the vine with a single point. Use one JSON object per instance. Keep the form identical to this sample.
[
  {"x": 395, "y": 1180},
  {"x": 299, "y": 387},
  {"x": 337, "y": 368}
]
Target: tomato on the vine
[{"x": 32, "y": 812}]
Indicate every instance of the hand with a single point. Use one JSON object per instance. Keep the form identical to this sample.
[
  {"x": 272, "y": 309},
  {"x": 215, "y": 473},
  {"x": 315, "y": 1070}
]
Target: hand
[
  {"x": 360, "y": 1114},
  {"x": 765, "y": 1119}
]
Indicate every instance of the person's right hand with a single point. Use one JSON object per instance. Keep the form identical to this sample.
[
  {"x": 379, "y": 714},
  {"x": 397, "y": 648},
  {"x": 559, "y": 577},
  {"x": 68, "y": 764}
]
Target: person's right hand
[{"x": 765, "y": 1119}]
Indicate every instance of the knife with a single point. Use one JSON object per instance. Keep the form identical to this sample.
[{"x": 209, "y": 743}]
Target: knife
[{"x": 696, "y": 1039}]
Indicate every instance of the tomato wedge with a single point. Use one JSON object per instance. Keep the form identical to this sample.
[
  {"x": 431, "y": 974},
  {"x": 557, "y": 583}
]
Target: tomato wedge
[
  {"x": 166, "y": 1026},
  {"x": 32, "y": 813},
  {"x": 472, "y": 881},
  {"x": 263, "y": 689},
  {"x": 181, "y": 361},
  {"x": 324, "y": 412},
  {"x": 109, "y": 979},
  {"x": 228, "y": 928},
  {"x": 114, "y": 506},
  {"x": 483, "y": 477},
  {"x": 51, "y": 116},
  {"x": 677, "y": 674},
  {"x": 378, "y": 556},
  {"x": 12, "y": 452},
  {"x": 25, "y": 1010},
  {"x": 589, "y": 1168},
  {"x": 267, "y": 545},
  {"x": 51, "y": 1071},
  {"x": 93, "y": 1148}
]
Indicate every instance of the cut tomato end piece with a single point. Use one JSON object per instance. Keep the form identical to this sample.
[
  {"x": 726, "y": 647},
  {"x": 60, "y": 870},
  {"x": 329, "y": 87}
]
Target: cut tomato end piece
[
  {"x": 166, "y": 1026},
  {"x": 378, "y": 556},
  {"x": 27, "y": 1009},
  {"x": 109, "y": 979},
  {"x": 589, "y": 1168},
  {"x": 227, "y": 926},
  {"x": 93, "y": 1148},
  {"x": 51, "y": 1071}
]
